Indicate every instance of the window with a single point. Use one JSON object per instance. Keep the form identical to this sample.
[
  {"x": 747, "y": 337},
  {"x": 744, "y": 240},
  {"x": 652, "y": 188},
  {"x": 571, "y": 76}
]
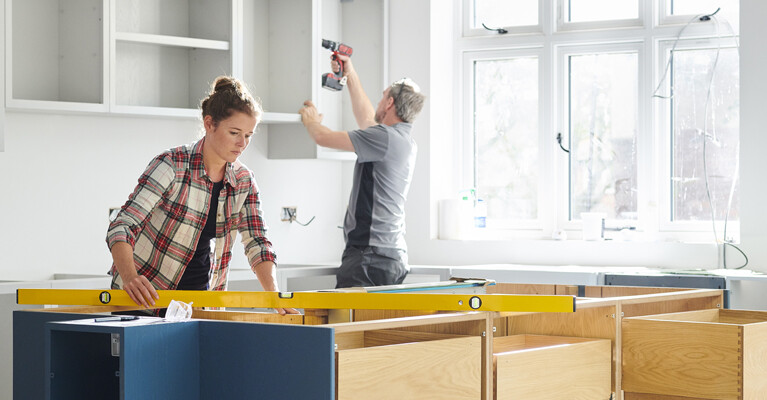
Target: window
[
  {"x": 601, "y": 10},
  {"x": 700, "y": 106},
  {"x": 506, "y": 136},
  {"x": 648, "y": 118},
  {"x": 504, "y": 13},
  {"x": 518, "y": 16},
  {"x": 682, "y": 10},
  {"x": 602, "y": 99}
]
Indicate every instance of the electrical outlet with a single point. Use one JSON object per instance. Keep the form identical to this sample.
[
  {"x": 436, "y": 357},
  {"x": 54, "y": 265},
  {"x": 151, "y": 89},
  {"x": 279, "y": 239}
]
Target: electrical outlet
[{"x": 288, "y": 214}]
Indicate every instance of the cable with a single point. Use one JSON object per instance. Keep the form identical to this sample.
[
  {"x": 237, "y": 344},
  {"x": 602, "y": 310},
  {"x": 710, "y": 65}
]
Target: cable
[
  {"x": 309, "y": 222},
  {"x": 699, "y": 17},
  {"x": 499, "y": 30},
  {"x": 668, "y": 63},
  {"x": 559, "y": 140},
  {"x": 292, "y": 218},
  {"x": 741, "y": 252}
]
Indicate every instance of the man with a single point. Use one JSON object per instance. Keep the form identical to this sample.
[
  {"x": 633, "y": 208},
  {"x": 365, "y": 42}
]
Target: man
[{"x": 374, "y": 226}]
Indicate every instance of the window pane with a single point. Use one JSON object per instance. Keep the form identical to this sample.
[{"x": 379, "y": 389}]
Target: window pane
[
  {"x": 603, "y": 133},
  {"x": 602, "y": 10},
  {"x": 504, "y": 13},
  {"x": 506, "y": 136},
  {"x": 730, "y": 10},
  {"x": 720, "y": 121}
]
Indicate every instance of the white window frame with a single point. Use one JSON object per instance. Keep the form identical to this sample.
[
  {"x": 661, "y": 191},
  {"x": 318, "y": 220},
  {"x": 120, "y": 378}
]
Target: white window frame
[
  {"x": 663, "y": 123},
  {"x": 563, "y": 126},
  {"x": 469, "y": 31},
  {"x": 553, "y": 40},
  {"x": 467, "y": 144},
  {"x": 563, "y": 25},
  {"x": 665, "y": 18}
]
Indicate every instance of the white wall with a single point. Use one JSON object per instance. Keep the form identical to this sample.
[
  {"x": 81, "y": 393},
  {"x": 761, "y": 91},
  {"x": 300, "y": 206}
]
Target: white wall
[
  {"x": 753, "y": 132},
  {"x": 61, "y": 173},
  {"x": 419, "y": 36}
]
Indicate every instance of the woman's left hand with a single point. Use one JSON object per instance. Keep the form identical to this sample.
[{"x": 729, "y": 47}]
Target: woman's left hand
[{"x": 285, "y": 311}]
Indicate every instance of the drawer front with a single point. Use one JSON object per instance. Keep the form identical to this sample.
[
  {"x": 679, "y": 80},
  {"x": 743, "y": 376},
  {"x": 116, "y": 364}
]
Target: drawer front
[{"x": 438, "y": 369}]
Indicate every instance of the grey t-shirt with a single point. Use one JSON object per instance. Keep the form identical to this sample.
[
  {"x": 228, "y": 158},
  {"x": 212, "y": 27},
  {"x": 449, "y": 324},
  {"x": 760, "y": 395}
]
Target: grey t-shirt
[{"x": 382, "y": 175}]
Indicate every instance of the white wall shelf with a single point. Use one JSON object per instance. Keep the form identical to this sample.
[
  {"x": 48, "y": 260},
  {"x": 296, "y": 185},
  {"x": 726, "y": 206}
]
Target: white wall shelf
[
  {"x": 282, "y": 118},
  {"x": 172, "y": 41}
]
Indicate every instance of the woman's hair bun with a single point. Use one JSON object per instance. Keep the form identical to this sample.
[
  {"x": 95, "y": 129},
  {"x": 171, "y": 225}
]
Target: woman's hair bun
[{"x": 225, "y": 83}]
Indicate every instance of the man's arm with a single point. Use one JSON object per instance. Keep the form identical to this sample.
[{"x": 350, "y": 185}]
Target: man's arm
[
  {"x": 322, "y": 135},
  {"x": 363, "y": 109}
]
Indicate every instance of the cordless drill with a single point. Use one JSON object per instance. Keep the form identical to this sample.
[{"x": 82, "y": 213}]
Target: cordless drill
[{"x": 335, "y": 81}]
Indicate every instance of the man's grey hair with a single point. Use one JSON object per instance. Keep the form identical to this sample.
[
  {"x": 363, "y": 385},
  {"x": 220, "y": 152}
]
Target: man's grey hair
[{"x": 408, "y": 100}]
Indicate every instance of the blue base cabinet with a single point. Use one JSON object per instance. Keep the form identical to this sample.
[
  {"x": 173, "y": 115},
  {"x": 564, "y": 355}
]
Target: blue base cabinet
[{"x": 190, "y": 360}]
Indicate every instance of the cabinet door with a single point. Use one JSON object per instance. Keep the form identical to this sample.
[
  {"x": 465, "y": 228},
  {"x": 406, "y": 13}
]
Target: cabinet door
[{"x": 55, "y": 54}]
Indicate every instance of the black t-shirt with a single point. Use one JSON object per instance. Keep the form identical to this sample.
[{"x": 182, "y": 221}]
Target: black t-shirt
[{"x": 196, "y": 274}]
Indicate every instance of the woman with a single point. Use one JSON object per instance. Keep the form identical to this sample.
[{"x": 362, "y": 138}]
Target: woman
[{"x": 188, "y": 196}]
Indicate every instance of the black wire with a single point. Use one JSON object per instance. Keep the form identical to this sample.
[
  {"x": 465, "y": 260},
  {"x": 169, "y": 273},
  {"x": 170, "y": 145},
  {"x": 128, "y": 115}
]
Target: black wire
[
  {"x": 707, "y": 17},
  {"x": 310, "y": 221},
  {"x": 499, "y": 30},
  {"x": 741, "y": 252},
  {"x": 292, "y": 216},
  {"x": 559, "y": 140}
]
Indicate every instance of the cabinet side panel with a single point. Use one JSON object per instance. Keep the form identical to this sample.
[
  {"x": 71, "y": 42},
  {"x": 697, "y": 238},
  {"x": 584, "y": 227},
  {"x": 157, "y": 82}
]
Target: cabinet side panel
[
  {"x": 754, "y": 360},
  {"x": 290, "y": 47},
  {"x": 29, "y": 352},
  {"x": 256, "y": 50},
  {"x": 267, "y": 361},
  {"x": 161, "y": 361},
  {"x": 35, "y": 50},
  {"x": 81, "y": 59},
  {"x": 679, "y": 358}
]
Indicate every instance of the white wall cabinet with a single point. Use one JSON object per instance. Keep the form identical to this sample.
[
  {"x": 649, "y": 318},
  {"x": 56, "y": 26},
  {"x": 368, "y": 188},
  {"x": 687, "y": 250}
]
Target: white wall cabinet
[
  {"x": 159, "y": 57},
  {"x": 296, "y": 61},
  {"x": 165, "y": 53},
  {"x": 55, "y": 54}
]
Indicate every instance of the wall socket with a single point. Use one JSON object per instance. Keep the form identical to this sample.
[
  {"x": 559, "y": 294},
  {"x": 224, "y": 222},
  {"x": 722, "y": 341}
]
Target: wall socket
[{"x": 288, "y": 214}]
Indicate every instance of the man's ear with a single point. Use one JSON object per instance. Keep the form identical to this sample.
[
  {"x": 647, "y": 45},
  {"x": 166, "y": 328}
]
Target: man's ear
[{"x": 389, "y": 102}]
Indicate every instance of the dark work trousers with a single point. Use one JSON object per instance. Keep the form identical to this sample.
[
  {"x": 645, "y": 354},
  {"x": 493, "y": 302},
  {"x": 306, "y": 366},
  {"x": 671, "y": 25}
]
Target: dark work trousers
[{"x": 371, "y": 266}]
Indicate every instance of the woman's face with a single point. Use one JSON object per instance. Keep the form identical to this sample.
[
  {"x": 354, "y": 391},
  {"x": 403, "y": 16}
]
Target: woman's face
[{"x": 231, "y": 136}]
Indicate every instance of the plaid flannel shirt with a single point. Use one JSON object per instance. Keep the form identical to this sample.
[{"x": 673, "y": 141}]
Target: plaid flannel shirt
[{"x": 164, "y": 217}]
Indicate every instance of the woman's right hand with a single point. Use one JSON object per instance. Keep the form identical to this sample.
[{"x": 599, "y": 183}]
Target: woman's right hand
[{"x": 140, "y": 290}]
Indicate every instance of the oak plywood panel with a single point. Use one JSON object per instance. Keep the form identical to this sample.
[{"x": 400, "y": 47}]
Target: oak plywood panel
[{"x": 439, "y": 369}]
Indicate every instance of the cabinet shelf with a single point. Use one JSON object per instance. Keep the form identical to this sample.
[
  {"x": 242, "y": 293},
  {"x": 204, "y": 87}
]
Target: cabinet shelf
[
  {"x": 166, "y": 40},
  {"x": 280, "y": 118}
]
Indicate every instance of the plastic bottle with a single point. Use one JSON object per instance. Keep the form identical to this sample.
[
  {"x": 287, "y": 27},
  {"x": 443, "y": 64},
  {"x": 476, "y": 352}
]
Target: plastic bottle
[{"x": 480, "y": 214}]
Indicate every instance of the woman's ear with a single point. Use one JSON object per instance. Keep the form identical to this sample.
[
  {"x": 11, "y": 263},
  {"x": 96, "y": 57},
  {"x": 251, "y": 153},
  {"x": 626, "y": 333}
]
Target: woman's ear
[{"x": 208, "y": 123}]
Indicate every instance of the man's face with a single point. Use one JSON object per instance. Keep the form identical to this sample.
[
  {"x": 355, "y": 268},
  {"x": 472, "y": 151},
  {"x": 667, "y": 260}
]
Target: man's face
[{"x": 381, "y": 109}]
